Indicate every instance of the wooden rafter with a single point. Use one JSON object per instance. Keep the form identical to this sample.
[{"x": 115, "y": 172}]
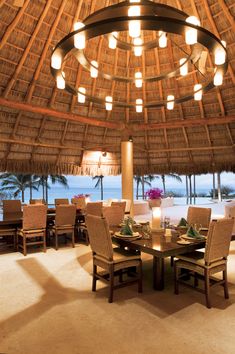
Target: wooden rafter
[
  {"x": 13, "y": 24},
  {"x": 99, "y": 148},
  {"x": 60, "y": 115},
  {"x": 227, "y": 14},
  {"x": 27, "y": 49}
]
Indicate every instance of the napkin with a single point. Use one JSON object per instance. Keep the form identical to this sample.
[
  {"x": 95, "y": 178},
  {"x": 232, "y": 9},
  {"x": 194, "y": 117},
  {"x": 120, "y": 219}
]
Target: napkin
[
  {"x": 126, "y": 229},
  {"x": 191, "y": 232},
  {"x": 183, "y": 222}
]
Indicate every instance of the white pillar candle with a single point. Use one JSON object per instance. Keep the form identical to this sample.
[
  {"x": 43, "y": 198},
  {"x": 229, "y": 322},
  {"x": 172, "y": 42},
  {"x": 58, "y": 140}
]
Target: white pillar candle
[{"x": 156, "y": 218}]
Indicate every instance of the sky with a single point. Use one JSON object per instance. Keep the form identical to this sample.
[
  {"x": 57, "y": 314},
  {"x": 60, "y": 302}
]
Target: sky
[{"x": 202, "y": 181}]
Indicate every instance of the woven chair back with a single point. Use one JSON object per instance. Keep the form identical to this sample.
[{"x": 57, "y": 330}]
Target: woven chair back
[
  {"x": 200, "y": 216},
  {"x": 230, "y": 213},
  {"x": 11, "y": 206},
  {"x": 114, "y": 214},
  {"x": 79, "y": 202},
  {"x": 120, "y": 204},
  {"x": 99, "y": 236},
  {"x": 218, "y": 240},
  {"x": 65, "y": 215},
  {"x": 34, "y": 217},
  {"x": 37, "y": 201},
  {"x": 61, "y": 201},
  {"x": 94, "y": 208}
]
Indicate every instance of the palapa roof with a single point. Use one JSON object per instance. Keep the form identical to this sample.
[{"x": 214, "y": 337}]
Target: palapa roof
[{"x": 45, "y": 130}]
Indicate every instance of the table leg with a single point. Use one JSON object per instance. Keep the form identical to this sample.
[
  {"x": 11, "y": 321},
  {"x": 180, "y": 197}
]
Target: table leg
[{"x": 158, "y": 273}]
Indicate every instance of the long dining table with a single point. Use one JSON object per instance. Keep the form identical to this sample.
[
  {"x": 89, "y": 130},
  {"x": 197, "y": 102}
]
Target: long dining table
[{"x": 160, "y": 247}]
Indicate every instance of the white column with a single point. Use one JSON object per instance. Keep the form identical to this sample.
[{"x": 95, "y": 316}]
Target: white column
[{"x": 127, "y": 171}]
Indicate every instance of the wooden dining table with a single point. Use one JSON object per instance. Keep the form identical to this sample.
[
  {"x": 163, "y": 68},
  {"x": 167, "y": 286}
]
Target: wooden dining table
[
  {"x": 160, "y": 247},
  {"x": 15, "y": 219}
]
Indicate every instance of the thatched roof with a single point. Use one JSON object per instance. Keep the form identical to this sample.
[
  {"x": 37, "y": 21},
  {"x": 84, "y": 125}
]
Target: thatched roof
[{"x": 45, "y": 130}]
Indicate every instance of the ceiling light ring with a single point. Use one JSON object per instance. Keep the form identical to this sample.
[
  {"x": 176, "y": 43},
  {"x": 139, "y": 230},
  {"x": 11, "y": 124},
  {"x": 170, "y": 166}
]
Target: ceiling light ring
[
  {"x": 205, "y": 38},
  {"x": 87, "y": 64}
]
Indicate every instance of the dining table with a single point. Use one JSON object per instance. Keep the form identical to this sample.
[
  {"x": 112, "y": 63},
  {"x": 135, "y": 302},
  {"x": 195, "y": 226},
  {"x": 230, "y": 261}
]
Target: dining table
[{"x": 160, "y": 247}]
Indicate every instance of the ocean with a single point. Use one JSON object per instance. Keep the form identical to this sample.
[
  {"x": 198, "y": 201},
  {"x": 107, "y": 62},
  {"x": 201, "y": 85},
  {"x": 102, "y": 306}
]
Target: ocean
[{"x": 116, "y": 193}]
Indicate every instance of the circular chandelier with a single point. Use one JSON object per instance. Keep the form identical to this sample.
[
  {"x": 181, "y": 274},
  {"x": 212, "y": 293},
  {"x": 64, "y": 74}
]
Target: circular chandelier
[{"x": 134, "y": 17}]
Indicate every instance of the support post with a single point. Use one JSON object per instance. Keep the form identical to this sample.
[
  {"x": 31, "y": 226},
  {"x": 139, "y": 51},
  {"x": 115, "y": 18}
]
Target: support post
[
  {"x": 127, "y": 171},
  {"x": 219, "y": 187}
]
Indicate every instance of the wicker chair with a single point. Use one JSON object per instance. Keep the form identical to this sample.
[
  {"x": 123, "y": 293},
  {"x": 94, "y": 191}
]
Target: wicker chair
[
  {"x": 230, "y": 213},
  {"x": 213, "y": 260},
  {"x": 92, "y": 208},
  {"x": 114, "y": 261},
  {"x": 11, "y": 206},
  {"x": 113, "y": 214},
  {"x": 79, "y": 202},
  {"x": 200, "y": 216},
  {"x": 65, "y": 217},
  {"x": 61, "y": 201},
  {"x": 120, "y": 204},
  {"x": 7, "y": 233},
  {"x": 37, "y": 201},
  {"x": 33, "y": 231}
]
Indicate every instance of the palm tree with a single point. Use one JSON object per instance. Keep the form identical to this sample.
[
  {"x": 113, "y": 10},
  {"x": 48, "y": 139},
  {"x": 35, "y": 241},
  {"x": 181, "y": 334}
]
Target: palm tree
[
  {"x": 142, "y": 181},
  {"x": 98, "y": 184},
  {"x": 172, "y": 175},
  {"x": 17, "y": 183},
  {"x": 44, "y": 182}
]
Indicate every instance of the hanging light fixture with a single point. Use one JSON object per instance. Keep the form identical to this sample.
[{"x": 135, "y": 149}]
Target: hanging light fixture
[
  {"x": 138, "y": 79},
  {"x": 134, "y": 16}
]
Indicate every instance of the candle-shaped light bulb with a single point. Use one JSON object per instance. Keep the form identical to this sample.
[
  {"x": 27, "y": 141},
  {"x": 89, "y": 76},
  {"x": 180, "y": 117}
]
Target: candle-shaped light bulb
[
  {"x": 134, "y": 25},
  {"x": 81, "y": 94},
  {"x": 113, "y": 40},
  {"x": 139, "y": 105},
  {"x": 197, "y": 92},
  {"x": 183, "y": 67},
  {"x": 79, "y": 38},
  {"x": 170, "y": 102},
  {"x": 108, "y": 103},
  {"x": 138, "y": 79},
  {"x": 220, "y": 54},
  {"x": 93, "y": 70},
  {"x": 191, "y": 33},
  {"x": 56, "y": 61},
  {"x": 162, "y": 41},
  {"x": 60, "y": 81},
  {"x": 137, "y": 46}
]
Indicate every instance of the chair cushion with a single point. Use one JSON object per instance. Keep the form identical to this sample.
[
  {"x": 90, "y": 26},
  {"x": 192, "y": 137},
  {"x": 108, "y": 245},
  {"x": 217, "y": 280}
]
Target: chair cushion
[
  {"x": 21, "y": 232},
  {"x": 63, "y": 227},
  {"x": 197, "y": 257}
]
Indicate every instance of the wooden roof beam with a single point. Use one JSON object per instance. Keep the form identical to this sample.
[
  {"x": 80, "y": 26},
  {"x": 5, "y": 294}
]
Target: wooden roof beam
[{"x": 60, "y": 115}]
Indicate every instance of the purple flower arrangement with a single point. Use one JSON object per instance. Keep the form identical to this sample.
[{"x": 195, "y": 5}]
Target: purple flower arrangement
[
  {"x": 154, "y": 193},
  {"x": 82, "y": 196}
]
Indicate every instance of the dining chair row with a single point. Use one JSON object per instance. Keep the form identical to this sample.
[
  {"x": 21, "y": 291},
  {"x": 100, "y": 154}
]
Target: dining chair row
[{"x": 35, "y": 228}]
